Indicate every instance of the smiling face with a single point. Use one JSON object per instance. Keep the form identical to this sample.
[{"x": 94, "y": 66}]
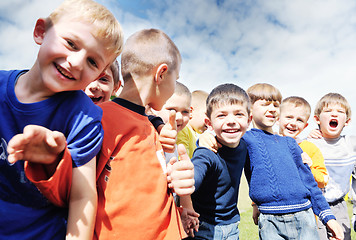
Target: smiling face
[
  {"x": 265, "y": 114},
  {"x": 70, "y": 56},
  {"x": 292, "y": 120},
  {"x": 101, "y": 89},
  {"x": 181, "y": 105},
  {"x": 229, "y": 122},
  {"x": 332, "y": 120}
]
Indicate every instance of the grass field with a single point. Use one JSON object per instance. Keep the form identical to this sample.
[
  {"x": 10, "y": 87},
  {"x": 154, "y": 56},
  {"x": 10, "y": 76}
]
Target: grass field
[{"x": 248, "y": 230}]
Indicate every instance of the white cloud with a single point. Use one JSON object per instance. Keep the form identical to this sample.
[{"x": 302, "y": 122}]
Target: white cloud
[{"x": 302, "y": 47}]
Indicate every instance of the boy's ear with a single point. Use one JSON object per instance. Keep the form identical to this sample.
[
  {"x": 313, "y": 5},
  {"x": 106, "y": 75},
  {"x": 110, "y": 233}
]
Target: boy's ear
[
  {"x": 306, "y": 125},
  {"x": 161, "y": 73},
  {"x": 317, "y": 120},
  {"x": 347, "y": 122},
  {"x": 191, "y": 112},
  {"x": 39, "y": 31},
  {"x": 208, "y": 124},
  {"x": 249, "y": 119}
]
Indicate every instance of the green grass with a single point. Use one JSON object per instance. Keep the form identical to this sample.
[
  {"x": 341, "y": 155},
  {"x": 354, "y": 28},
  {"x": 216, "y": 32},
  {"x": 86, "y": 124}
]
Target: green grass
[{"x": 248, "y": 230}]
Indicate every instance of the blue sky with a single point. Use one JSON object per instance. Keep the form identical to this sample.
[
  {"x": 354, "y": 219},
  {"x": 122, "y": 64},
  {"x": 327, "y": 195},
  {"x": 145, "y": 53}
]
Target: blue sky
[{"x": 305, "y": 48}]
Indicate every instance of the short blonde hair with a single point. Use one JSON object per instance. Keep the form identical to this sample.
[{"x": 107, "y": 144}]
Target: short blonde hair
[
  {"x": 181, "y": 89},
  {"x": 332, "y": 98},
  {"x": 297, "y": 102},
  {"x": 106, "y": 26},
  {"x": 199, "y": 98},
  {"x": 264, "y": 91},
  {"x": 226, "y": 94},
  {"x": 147, "y": 49}
]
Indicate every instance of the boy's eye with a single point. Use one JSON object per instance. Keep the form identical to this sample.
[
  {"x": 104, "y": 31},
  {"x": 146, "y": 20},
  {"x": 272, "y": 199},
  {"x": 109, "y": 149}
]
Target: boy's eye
[
  {"x": 71, "y": 44},
  {"x": 92, "y": 62},
  {"x": 104, "y": 79}
]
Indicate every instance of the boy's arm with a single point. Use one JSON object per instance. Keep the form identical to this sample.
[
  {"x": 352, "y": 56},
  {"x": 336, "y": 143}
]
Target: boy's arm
[
  {"x": 168, "y": 133},
  {"x": 208, "y": 140},
  {"x": 189, "y": 217},
  {"x": 180, "y": 174},
  {"x": 316, "y": 134},
  {"x": 83, "y": 202},
  {"x": 43, "y": 149},
  {"x": 318, "y": 167}
]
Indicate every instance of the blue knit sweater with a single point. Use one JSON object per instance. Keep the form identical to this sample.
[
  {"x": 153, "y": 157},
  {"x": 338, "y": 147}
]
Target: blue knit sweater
[
  {"x": 279, "y": 181},
  {"x": 217, "y": 180}
]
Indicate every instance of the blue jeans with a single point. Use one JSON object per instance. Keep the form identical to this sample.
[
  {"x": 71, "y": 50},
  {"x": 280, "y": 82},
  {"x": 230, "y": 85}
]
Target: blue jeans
[
  {"x": 217, "y": 232},
  {"x": 300, "y": 225}
]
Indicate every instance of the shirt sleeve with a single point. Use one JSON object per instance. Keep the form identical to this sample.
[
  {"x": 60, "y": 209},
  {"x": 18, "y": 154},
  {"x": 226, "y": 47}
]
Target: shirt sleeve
[
  {"x": 320, "y": 206},
  {"x": 55, "y": 188},
  {"x": 201, "y": 163}
]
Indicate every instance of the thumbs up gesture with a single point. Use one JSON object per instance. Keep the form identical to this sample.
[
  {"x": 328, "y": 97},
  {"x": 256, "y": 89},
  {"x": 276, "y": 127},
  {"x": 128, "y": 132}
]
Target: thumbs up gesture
[
  {"x": 168, "y": 134},
  {"x": 180, "y": 174}
]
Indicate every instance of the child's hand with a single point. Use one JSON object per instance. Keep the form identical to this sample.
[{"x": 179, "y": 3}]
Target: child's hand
[
  {"x": 180, "y": 174},
  {"x": 255, "y": 213},
  {"x": 335, "y": 229},
  {"x": 307, "y": 159},
  {"x": 207, "y": 140},
  {"x": 316, "y": 134},
  {"x": 190, "y": 221},
  {"x": 36, "y": 144},
  {"x": 168, "y": 133}
]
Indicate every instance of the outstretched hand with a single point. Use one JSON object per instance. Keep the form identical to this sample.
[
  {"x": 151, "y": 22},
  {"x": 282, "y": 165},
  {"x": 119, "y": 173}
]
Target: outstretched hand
[
  {"x": 168, "y": 134},
  {"x": 180, "y": 174},
  {"x": 37, "y": 145}
]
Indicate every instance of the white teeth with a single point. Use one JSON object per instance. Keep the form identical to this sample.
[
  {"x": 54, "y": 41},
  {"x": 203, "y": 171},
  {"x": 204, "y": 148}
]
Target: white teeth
[{"x": 63, "y": 73}]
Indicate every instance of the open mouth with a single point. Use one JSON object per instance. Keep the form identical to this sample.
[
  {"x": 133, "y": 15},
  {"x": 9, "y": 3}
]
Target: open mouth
[
  {"x": 333, "y": 123},
  {"x": 64, "y": 72},
  {"x": 96, "y": 99}
]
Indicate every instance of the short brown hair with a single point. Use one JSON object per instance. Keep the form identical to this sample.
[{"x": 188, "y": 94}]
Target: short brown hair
[
  {"x": 297, "y": 102},
  {"x": 226, "y": 94},
  {"x": 264, "y": 91},
  {"x": 332, "y": 98},
  {"x": 146, "y": 49}
]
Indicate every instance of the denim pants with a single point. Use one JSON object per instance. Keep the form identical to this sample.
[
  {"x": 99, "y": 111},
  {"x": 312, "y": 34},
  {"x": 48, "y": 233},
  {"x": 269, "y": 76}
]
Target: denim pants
[
  {"x": 217, "y": 232},
  {"x": 300, "y": 225}
]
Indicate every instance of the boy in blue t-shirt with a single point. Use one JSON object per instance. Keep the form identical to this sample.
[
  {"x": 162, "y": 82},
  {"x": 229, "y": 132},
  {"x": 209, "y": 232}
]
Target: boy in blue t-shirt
[
  {"x": 77, "y": 42},
  {"x": 217, "y": 175}
]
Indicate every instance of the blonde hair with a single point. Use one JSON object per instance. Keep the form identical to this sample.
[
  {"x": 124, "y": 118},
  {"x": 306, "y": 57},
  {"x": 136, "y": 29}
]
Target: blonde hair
[
  {"x": 332, "y": 98},
  {"x": 107, "y": 28},
  {"x": 297, "y": 102},
  {"x": 199, "y": 98},
  {"x": 226, "y": 94},
  {"x": 181, "y": 89},
  {"x": 146, "y": 49},
  {"x": 264, "y": 91}
]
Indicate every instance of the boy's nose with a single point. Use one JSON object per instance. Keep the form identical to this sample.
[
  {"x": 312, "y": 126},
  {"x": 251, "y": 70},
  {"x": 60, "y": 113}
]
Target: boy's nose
[{"x": 76, "y": 60}]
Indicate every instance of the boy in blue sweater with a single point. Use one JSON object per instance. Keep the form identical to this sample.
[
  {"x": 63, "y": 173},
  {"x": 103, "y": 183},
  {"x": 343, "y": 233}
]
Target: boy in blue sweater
[
  {"x": 282, "y": 188},
  {"x": 217, "y": 175}
]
